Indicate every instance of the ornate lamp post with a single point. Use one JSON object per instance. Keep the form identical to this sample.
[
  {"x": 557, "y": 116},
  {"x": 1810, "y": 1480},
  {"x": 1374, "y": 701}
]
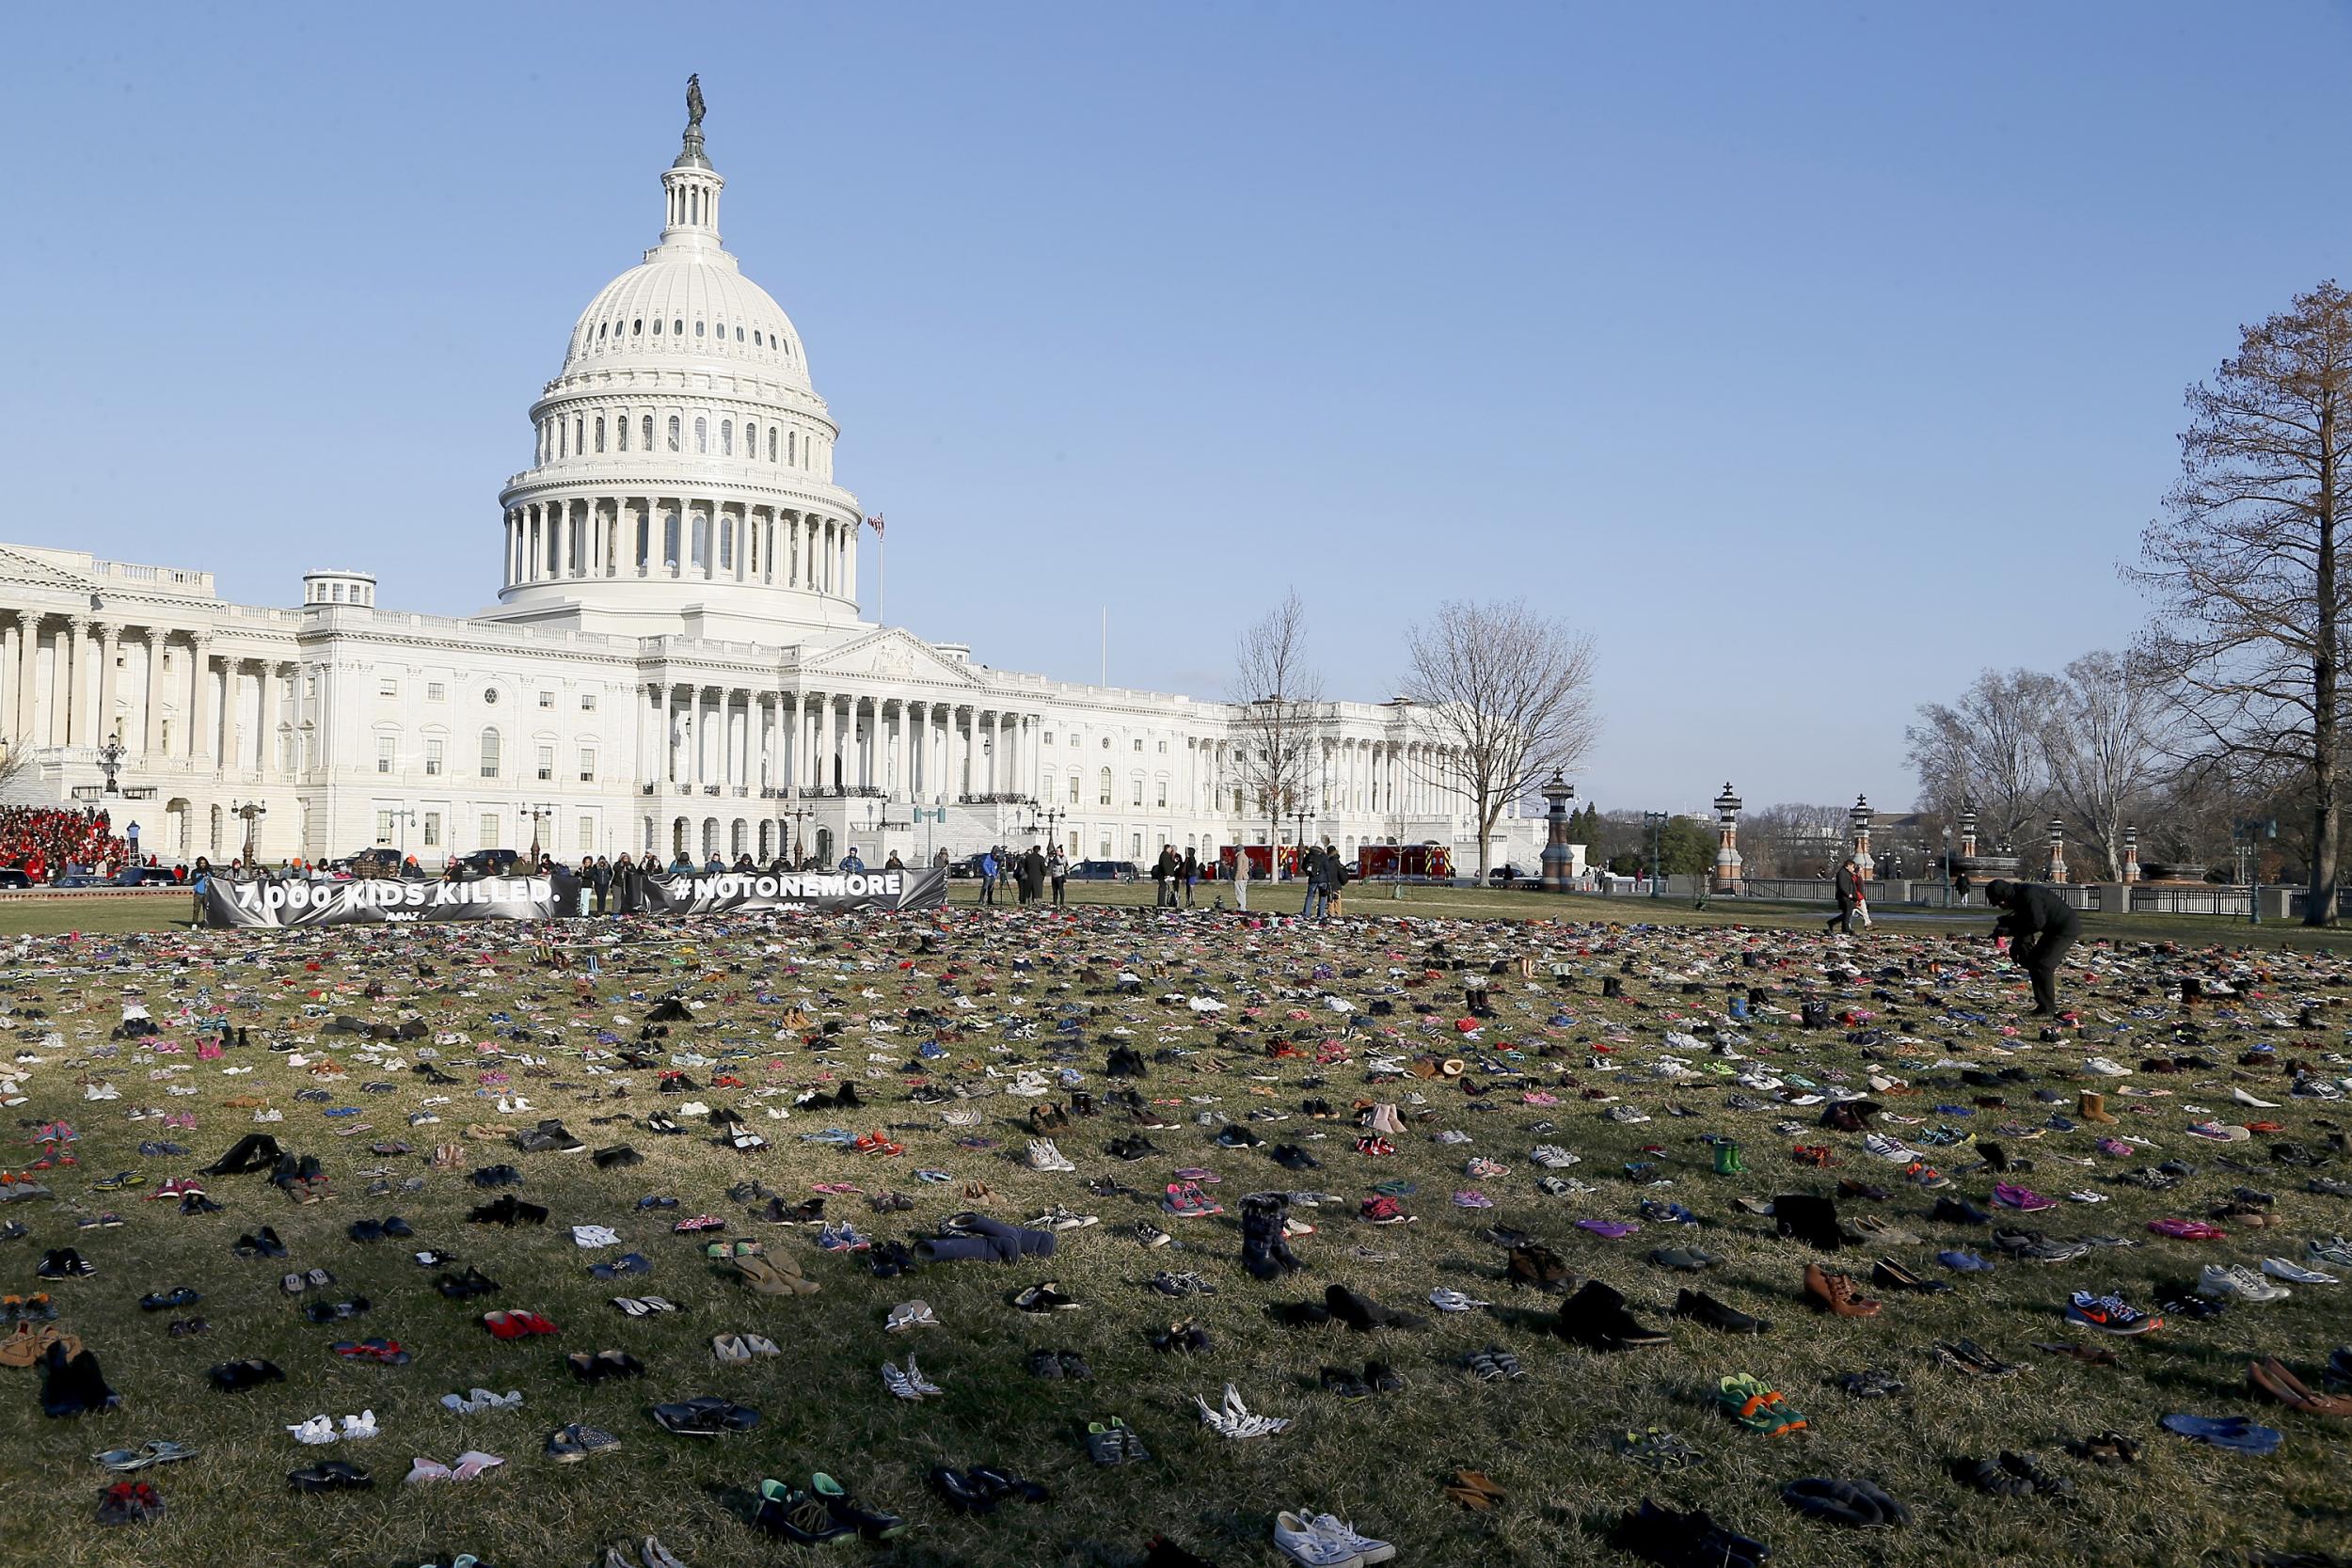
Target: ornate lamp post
[
  {"x": 1559, "y": 863},
  {"x": 1727, "y": 862},
  {"x": 1654, "y": 821},
  {"x": 110, "y": 762},
  {"x": 252, "y": 811},
  {"x": 1861, "y": 817},
  {"x": 2058, "y": 850},
  {"x": 537, "y": 814},
  {"x": 2130, "y": 854}
]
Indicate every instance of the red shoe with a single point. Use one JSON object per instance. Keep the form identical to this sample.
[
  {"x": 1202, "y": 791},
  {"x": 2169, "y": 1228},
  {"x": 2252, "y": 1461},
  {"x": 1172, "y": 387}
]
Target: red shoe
[
  {"x": 507, "y": 1325},
  {"x": 534, "y": 1323}
]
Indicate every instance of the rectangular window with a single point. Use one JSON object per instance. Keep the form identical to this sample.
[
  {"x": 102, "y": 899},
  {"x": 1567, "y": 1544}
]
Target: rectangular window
[
  {"x": 587, "y": 764},
  {"x": 1137, "y": 791},
  {"x": 1049, "y": 737},
  {"x": 547, "y": 699},
  {"x": 1104, "y": 852},
  {"x": 1074, "y": 788},
  {"x": 387, "y": 748},
  {"x": 432, "y": 830},
  {"x": 432, "y": 759},
  {"x": 489, "y": 830},
  {"x": 436, "y": 692},
  {"x": 1134, "y": 847},
  {"x": 1162, "y": 802},
  {"x": 383, "y": 827},
  {"x": 388, "y": 688},
  {"x": 1162, "y": 748},
  {"x": 587, "y": 702},
  {"x": 489, "y": 753},
  {"x": 546, "y": 763},
  {"x": 586, "y": 842},
  {"x": 1139, "y": 743}
]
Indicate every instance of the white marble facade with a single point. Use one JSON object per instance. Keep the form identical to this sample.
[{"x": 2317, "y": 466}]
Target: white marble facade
[{"x": 676, "y": 658}]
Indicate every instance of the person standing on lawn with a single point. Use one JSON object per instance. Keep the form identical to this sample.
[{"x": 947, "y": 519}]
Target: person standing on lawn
[{"x": 2040, "y": 927}]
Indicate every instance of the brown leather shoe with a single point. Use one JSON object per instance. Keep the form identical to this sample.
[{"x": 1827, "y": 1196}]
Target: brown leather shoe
[{"x": 1836, "y": 1293}]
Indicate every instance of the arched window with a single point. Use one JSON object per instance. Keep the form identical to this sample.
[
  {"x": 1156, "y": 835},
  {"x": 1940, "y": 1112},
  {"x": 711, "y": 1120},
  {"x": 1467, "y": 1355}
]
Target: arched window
[
  {"x": 560, "y": 433},
  {"x": 673, "y": 430},
  {"x": 702, "y": 542},
  {"x": 726, "y": 437},
  {"x": 678, "y": 325},
  {"x": 669, "y": 542},
  {"x": 657, "y": 326},
  {"x": 698, "y": 326},
  {"x": 727, "y": 544},
  {"x": 621, "y": 429},
  {"x": 636, "y": 327},
  {"x": 702, "y": 436},
  {"x": 1103, "y": 790},
  {"x": 739, "y": 334},
  {"x": 771, "y": 443},
  {"x": 600, "y": 432},
  {"x": 791, "y": 446},
  {"x": 490, "y": 753},
  {"x": 648, "y": 428},
  {"x": 579, "y": 435}
]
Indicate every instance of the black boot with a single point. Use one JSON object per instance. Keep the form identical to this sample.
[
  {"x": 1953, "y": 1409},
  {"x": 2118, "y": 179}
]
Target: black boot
[
  {"x": 248, "y": 1154},
  {"x": 1611, "y": 986},
  {"x": 1813, "y": 1220},
  {"x": 1261, "y": 1216},
  {"x": 1596, "y": 1317}
]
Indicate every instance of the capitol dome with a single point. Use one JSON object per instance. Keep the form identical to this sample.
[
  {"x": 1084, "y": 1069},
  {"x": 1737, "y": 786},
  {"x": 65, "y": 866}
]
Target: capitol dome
[
  {"x": 682, "y": 479},
  {"x": 687, "y": 301}
]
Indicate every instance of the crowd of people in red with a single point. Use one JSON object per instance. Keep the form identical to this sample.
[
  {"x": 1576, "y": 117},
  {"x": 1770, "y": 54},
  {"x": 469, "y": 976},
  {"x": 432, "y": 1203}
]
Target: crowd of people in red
[{"x": 44, "y": 841}]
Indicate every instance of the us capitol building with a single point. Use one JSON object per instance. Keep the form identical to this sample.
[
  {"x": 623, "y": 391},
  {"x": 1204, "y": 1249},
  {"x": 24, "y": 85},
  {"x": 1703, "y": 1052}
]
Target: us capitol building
[{"x": 676, "y": 660}]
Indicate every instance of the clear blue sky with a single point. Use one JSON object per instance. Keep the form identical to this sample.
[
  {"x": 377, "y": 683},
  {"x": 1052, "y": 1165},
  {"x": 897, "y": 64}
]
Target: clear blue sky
[{"x": 1811, "y": 358}]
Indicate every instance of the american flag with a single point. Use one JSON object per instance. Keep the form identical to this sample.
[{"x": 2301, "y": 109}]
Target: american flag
[{"x": 875, "y": 522}]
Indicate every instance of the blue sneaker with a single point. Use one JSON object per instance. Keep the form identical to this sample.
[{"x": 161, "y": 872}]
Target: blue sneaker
[{"x": 1967, "y": 1262}]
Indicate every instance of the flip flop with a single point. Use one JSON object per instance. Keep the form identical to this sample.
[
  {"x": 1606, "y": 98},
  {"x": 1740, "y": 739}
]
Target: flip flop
[{"x": 2235, "y": 1432}]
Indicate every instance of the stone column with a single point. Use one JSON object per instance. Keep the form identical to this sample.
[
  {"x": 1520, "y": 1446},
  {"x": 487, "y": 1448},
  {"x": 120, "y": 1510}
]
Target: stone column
[
  {"x": 71, "y": 723},
  {"x": 11, "y": 672},
  {"x": 788, "y": 738},
  {"x": 28, "y": 681},
  {"x": 156, "y": 642},
  {"x": 266, "y": 702},
  {"x": 103, "y": 721},
  {"x": 204, "y": 739}
]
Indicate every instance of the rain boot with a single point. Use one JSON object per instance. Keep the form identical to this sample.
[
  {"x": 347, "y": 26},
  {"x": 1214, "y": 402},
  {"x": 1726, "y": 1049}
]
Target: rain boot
[{"x": 1727, "y": 1158}]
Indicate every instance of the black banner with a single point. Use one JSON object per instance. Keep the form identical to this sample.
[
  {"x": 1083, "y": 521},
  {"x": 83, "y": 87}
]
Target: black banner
[
  {"x": 266, "y": 901},
  {"x": 288, "y": 902},
  {"x": 829, "y": 890}
]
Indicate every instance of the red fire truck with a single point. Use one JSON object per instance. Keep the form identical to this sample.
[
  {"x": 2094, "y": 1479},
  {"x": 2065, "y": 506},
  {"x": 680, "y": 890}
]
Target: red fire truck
[{"x": 1423, "y": 862}]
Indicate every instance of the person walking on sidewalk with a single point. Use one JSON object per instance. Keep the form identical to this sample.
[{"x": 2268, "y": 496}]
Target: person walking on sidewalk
[{"x": 1849, "y": 891}]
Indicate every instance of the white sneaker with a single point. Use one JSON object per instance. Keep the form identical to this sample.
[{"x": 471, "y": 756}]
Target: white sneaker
[
  {"x": 2239, "y": 1281},
  {"x": 1552, "y": 1156},
  {"x": 2107, "y": 1069},
  {"x": 2279, "y": 1268},
  {"x": 1342, "y": 1533},
  {"x": 361, "y": 1427},
  {"x": 316, "y": 1431},
  {"x": 1044, "y": 1156},
  {"x": 1299, "y": 1540}
]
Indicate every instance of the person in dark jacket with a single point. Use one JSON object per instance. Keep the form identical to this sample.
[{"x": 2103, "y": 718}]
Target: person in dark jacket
[
  {"x": 1032, "y": 876},
  {"x": 2040, "y": 927},
  {"x": 599, "y": 879},
  {"x": 1191, "y": 872},
  {"x": 1849, "y": 894}
]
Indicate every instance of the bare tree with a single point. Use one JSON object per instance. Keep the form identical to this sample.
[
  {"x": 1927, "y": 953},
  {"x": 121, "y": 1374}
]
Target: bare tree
[
  {"x": 2101, "y": 744},
  {"x": 1986, "y": 753},
  {"x": 2243, "y": 565},
  {"x": 1278, "y": 714},
  {"x": 1504, "y": 697},
  {"x": 1792, "y": 839}
]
